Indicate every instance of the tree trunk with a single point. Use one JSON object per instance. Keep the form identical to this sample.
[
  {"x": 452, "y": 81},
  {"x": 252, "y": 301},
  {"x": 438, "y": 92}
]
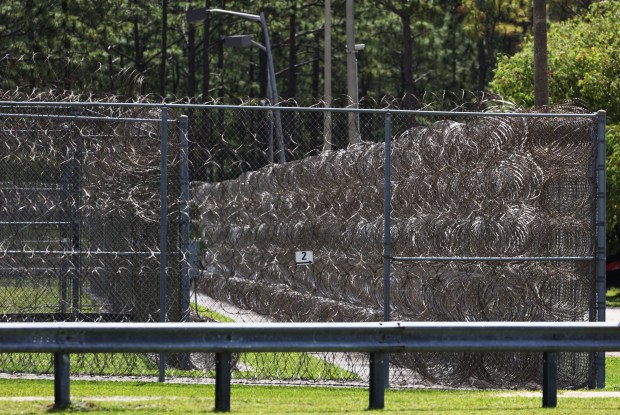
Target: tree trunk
[
  {"x": 164, "y": 48},
  {"x": 138, "y": 52},
  {"x": 482, "y": 65},
  {"x": 206, "y": 73},
  {"x": 66, "y": 43},
  {"x": 292, "y": 55},
  {"x": 541, "y": 82},
  {"x": 191, "y": 62},
  {"x": 408, "y": 83}
]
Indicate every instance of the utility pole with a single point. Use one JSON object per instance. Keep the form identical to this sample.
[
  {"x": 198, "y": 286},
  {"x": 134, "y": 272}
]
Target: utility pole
[
  {"x": 541, "y": 81},
  {"x": 354, "y": 136},
  {"x": 327, "y": 75}
]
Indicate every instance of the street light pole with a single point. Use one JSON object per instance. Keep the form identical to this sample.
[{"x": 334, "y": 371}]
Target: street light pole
[
  {"x": 274, "y": 90},
  {"x": 194, "y": 16}
]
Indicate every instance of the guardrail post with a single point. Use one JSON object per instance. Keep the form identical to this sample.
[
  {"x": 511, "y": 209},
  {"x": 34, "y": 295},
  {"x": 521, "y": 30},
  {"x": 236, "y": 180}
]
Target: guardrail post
[
  {"x": 550, "y": 380},
  {"x": 222, "y": 381},
  {"x": 62, "y": 395},
  {"x": 376, "y": 387}
]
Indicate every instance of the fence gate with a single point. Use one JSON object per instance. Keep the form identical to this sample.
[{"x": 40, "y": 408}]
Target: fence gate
[{"x": 81, "y": 235}]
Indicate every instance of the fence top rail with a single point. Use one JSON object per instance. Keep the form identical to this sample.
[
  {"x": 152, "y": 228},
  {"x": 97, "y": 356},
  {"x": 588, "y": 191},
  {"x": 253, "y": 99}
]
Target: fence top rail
[
  {"x": 309, "y": 337},
  {"x": 77, "y": 117},
  {"x": 297, "y": 109}
]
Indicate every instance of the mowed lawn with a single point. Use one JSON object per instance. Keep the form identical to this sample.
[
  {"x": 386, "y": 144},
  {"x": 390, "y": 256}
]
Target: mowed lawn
[{"x": 20, "y": 396}]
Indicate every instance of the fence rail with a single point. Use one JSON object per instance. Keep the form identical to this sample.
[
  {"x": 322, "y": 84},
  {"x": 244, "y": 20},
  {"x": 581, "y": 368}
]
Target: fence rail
[
  {"x": 376, "y": 338},
  {"x": 492, "y": 215}
]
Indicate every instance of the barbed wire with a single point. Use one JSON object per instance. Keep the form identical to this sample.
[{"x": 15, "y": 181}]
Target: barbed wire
[
  {"x": 483, "y": 186},
  {"x": 80, "y": 208}
]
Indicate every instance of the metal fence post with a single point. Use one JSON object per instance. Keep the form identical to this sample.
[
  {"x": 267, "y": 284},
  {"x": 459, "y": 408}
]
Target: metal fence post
[
  {"x": 600, "y": 241},
  {"x": 75, "y": 243},
  {"x": 163, "y": 231},
  {"x": 184, "y": 219},
  {"x": 62, "y": 393},
  {"x": 71, "y": 179},
  {"x": 387, "y": 237},
  {"x": 65, "y": 230}
]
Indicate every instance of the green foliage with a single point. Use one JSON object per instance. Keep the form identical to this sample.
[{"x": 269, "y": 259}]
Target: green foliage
[
  {"x": 613, "y": 188},
  {"x": 583, "y": 65},
  {"x": 612, "y": 297},
  {"x": 72, "y": 45}
]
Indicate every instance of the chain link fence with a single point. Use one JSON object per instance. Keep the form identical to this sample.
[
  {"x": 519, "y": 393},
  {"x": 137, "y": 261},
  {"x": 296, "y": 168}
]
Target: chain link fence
[{"x": 96, "y": 227}]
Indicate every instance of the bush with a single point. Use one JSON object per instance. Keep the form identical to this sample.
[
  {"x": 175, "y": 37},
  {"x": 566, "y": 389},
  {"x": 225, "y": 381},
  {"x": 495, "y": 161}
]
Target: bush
[{"x": 583, "y": 65}]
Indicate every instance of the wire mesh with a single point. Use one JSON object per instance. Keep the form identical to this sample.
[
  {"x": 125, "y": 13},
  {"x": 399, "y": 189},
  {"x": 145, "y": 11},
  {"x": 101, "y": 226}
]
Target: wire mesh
[
  {"x": 484, "y": 186},
  {"x": 80, "y": 229}
]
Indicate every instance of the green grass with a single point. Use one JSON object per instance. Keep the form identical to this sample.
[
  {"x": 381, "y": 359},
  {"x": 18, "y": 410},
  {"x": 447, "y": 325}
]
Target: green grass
[
  {"x": 210, "y": 314},
  {"x": 281, "y": 365},
  {"x": 613, "y": 297},
  {"x": 612, "y": 373},
  {"x": 36, "y": 296},
  {"x": 155, "y": 398}
]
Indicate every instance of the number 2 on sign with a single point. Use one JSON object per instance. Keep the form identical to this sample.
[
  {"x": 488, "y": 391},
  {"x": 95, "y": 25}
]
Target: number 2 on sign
[{"x": 304, "y": 257}]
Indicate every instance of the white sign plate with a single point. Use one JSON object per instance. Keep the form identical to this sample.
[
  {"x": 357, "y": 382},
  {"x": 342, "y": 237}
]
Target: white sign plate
[{"x": 304, "y": 257}]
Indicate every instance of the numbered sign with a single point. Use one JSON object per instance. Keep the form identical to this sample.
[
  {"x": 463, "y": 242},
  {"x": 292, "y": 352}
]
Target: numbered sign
[{"x": 304, "y": 257}]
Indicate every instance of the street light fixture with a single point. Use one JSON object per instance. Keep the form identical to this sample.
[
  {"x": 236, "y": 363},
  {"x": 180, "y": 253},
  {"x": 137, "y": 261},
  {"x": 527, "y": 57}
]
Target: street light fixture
[{"x": 195, "y": 16}]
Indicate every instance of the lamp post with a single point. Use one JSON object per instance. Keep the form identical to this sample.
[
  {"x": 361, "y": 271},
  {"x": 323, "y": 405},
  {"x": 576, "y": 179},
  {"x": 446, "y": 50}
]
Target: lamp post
[{"x": 195, "y": 16}]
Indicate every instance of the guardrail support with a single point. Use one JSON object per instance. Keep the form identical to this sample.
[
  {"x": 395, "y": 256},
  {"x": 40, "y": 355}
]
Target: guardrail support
[
  {"x": 550, "y": 380},
  {"x": 377, "y": 380},
  {"x": 62, "y": 395},
  {"x": 222, "y": 381}
]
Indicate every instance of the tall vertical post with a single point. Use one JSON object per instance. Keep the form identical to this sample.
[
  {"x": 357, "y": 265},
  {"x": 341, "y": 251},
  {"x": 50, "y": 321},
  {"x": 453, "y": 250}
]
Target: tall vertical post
[
  {"x": 354, "y": 134},
  {"x": 62, "y": 393},
  {"x": 273, "y": 88},
  {"x": 163, "y": 231},
  {"x": 387, "y": 235},
  {"x": 387, "y": 217},
  {"x": 222, "y": 381},
  {"x": 75, "y": 184},
  {"x": 71, "y": 177},
  {"x": 550, "y": 380},
  {"x": 601, "y": 247},
  {"x": 541, "y": 81},
  {"x": 184, "y": 219},
  {"x": 65, "y": 227},
  {"x": 327, "y": 77},
  {"x": 376, "y": 388}
]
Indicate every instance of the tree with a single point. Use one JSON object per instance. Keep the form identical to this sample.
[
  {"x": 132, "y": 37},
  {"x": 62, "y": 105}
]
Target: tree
[
  {"x": 583, "y": 64},
  {"x": 405, "y": 12}
]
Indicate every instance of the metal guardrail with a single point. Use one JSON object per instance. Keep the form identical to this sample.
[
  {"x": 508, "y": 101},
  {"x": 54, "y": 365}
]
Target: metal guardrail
[{"x": 378, "y": 339}]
